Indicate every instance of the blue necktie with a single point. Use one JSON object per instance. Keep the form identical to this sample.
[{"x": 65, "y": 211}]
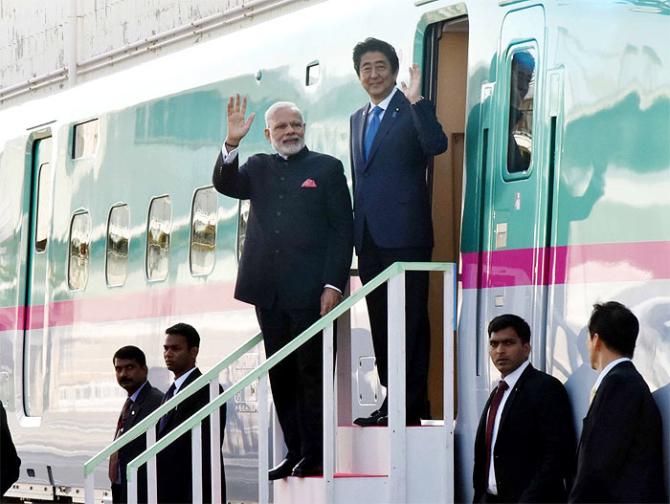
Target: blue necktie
[
  {"x": 371, "y": 130},
  {"x": 166, "y": 398}
]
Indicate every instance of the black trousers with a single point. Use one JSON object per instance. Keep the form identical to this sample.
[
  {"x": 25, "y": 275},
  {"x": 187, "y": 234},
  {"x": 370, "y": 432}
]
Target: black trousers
[
  {"x": 297, "y": 381},
  {"x": 371, "y": 261}
]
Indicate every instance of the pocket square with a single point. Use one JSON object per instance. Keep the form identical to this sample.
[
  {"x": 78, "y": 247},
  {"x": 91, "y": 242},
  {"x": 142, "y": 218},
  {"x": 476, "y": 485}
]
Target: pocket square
[{"x": 309, "y": 183}]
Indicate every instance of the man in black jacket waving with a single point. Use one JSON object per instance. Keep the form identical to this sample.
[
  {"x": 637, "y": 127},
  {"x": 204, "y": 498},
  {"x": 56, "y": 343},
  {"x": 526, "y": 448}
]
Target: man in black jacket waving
[{"x": 295, "y": 263}]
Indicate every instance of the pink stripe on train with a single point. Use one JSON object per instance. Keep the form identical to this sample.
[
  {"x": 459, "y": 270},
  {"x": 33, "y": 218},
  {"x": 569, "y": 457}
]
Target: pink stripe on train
[
  {"x": 604, "y": 262},
  {"x": 153, "y": 303}
]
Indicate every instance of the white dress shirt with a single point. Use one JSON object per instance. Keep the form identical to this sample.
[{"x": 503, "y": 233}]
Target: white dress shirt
[
  {"x": 511, "y": 380},
  {"x": 384, "y": 104},
  {"x": 180, "y": 381},
  {"x": 604, "y": 372}
]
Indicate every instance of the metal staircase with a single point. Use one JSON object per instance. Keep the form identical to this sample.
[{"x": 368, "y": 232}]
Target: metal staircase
[{"x": 394, "y": 464}]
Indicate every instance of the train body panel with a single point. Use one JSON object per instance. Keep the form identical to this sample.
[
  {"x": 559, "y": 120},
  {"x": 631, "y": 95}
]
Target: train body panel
[{"x": 588, "y": 221}]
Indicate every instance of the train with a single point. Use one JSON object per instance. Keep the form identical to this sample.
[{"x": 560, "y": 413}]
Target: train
[{"x": 111, "y": 231}]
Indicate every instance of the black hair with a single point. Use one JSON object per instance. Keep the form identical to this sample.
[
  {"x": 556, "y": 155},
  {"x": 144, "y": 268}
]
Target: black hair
[
  {"x": 616, "y": 325},
  {"x": 519, "y": 325},
  {"x": 371, "y": 44},
  {"x": 187, "y": 331},
  {"x": 132, "y": 353}
]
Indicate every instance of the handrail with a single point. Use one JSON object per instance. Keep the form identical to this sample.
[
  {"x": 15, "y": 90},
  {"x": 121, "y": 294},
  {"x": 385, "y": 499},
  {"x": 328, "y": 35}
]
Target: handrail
[
  {"x": 169, "y": 405},
  {"x": 318, "y": 326}
]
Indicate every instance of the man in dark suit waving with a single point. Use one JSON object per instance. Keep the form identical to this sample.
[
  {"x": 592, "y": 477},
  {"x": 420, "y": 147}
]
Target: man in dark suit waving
[
  {"x": 174, "y": 463},
  {"x": 392, "y": 140},
  {"x": 130, "y": 365},
  {"x": 525, "y": 439},
  {"x": 295, "y": 262},
  {"x": 620, "y": 456}
]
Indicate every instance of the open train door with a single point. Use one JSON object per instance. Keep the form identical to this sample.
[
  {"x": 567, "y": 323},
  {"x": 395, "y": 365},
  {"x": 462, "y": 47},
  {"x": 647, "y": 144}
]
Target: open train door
[
  {"x": 516, "y": 248},
  {"x": 36, "y": 222}
]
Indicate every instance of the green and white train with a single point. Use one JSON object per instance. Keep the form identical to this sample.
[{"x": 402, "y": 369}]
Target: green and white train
[{"x": 110, "y": 230}]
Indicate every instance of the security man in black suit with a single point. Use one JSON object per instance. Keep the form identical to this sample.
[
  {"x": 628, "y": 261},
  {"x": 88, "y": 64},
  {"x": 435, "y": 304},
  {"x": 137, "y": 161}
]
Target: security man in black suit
[
  {"x": 174, "y": 463},
  {"x": 620, "y": 456},
  {"x": 10, "y": 463},
  {"x": 525, "y": 441},
  {"x": 130, "y": 365},
  {"x": 295, "y": 262}
]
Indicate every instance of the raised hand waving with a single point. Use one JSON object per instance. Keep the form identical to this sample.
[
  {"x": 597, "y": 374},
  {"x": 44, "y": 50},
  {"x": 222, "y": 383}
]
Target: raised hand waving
[{"x": 238, "y": 126}]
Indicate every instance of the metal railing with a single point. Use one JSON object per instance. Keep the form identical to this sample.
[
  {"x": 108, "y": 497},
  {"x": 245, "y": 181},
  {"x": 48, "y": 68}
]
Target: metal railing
[
  {"x": 395, "y": 276},
  {"x": 148, "y": 424}
]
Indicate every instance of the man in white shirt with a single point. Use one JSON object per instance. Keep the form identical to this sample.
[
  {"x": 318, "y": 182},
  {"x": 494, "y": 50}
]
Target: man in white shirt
[
  {"x": 525, "y": 440},
  {"x": 620, "y": 457},
  {"x": 174, "y": 463}
]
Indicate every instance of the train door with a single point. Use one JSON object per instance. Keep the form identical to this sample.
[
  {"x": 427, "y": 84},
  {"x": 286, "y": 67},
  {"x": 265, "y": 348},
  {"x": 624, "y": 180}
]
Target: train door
[
  {"x": 515, "y": 266},
  {"x": 35, "y": 312},
  {"x": 445, "y": 77}
]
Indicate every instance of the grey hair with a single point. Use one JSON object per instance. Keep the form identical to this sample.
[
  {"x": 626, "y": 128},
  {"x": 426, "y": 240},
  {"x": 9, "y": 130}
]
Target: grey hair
[{"x": 280, "y": 105}]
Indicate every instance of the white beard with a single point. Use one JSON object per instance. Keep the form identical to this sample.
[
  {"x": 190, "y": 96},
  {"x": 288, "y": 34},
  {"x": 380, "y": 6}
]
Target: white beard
[{"x": 288, "y": 150}]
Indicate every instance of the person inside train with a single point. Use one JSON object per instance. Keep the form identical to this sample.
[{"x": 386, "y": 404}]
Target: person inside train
[
  {"x": 174, "y": 463},
  {"x": 295, "y": 262},
  {"x": 10, "y": 463},
  {"x": 620, "y": 457},
  {"x": 130, "y": 365},
  {"x": 520, "y": 112},
  {"x": 525, "y": 441},
  {"x": 392, "y": 140}
]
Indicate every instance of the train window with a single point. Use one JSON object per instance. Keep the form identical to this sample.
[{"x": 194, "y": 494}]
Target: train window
[
  {"x": 522, "y": 97},
  {"x": 312, "y": 73},
  {"x": 80, "y": 241},
  {"x": 203, "y": 231},
  {"x": 118, "y": 238},
  {"x": 85, "y": 139},
  {"x": 159, "y": 226},
  {"x": 43, "y": 207}
]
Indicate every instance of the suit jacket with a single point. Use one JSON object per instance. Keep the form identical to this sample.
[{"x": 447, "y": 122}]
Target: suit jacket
[
  {"x": 147, "y": 401},
  {"x": 10, "y": 463},
  {"x": 390, "y": 193},
  {"x": 174, "y": 463},
  {"x": 535, "y": 442},
  {"x": 298, "y": 236},
  {"x": 620, "y": 455}
]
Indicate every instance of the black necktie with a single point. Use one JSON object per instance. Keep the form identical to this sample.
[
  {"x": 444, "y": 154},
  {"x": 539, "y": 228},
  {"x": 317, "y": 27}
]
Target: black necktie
[
  {"x": 114, "y": 474},
  {"x": 168, "y": 395},
  {"x": 490, "y": 422}
]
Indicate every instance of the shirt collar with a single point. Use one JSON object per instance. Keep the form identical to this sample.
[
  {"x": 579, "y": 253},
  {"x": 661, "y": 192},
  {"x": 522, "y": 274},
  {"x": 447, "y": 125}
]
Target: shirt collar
[
  {"x": 180, "y": 381},
  {"x": 514, "y": 376},
  {"x": 384, "y": 104},
  {"x": 606, "y": 370},
  {"x": 133, "y": 396}
]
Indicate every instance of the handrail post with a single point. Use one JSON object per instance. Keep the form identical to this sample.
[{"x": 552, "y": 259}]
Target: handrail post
[
  {"x": 329, "y": 446},
  {"x": 196, "y": 461},
  {"x": 215, "y": 444},
  {"x": 396, "y": 388},
  {"x": 449, "y": 315},
  {"x": 263, "y": 441},
  {"x": 132, "y": 487},
  {"x": 89, "y": 488},
  {"x": 152, "y": 478}
]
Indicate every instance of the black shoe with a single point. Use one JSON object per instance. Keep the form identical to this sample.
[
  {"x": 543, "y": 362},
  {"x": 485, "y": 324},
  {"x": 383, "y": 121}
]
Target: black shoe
[
  {"x": 308, "y": 467},
  {"x": 411, "y": 422},
  {"x": 371, "y": 420},
  {"x": 281, "y": 470}
]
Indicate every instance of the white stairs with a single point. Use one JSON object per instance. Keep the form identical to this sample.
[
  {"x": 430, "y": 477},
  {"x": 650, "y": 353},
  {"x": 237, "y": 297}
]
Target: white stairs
[{"x": 363, "y": 473}]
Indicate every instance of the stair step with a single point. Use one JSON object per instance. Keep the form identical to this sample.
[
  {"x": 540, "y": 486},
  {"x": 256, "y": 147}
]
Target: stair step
[{"x": 359, "y": 475}]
